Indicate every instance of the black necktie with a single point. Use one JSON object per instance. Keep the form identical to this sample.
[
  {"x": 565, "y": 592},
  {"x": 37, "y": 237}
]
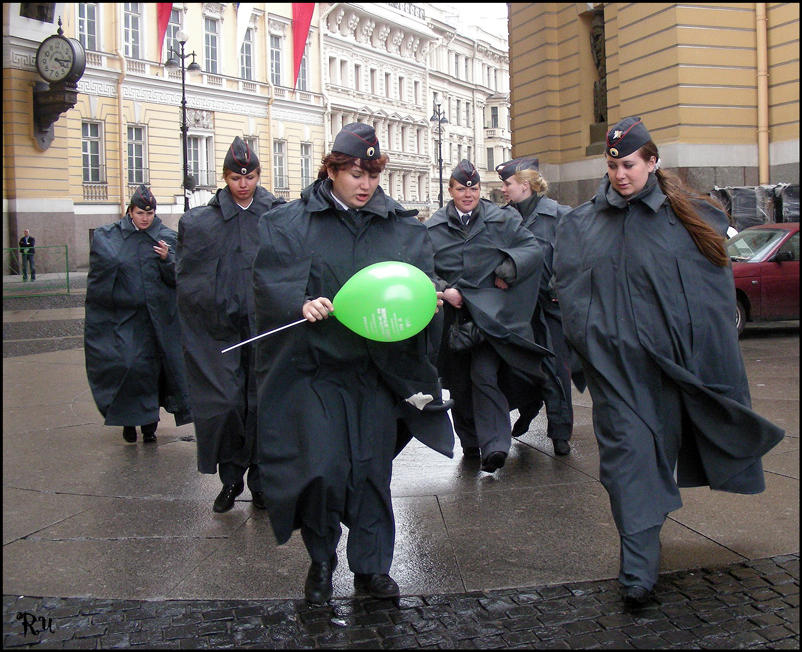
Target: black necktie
[{"x": 466, "y": 217}]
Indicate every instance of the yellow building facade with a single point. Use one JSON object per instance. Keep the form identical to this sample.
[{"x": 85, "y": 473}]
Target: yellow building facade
[
  {"x": 717, "y": 85},
  {"x": 126, "y": 126}
]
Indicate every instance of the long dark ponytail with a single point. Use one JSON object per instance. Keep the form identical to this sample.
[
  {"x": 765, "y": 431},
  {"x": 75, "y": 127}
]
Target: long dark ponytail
[{"x": 710, "y": 243}]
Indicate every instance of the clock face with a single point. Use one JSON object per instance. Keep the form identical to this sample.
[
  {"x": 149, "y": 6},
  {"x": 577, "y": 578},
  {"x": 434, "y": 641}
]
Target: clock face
[{"x": 55, "y": 58}]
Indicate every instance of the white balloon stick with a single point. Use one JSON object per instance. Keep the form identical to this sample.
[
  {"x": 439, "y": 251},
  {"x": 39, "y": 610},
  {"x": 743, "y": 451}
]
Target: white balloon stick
[{"x": 253, "y": 339}]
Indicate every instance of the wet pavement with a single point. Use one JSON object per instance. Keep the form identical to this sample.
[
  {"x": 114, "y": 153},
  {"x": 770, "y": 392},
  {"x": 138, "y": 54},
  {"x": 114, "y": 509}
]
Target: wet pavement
[{"x": 110, "y": 544}]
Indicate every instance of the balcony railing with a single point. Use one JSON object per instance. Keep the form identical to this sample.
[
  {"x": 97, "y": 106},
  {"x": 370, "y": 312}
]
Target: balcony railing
[{"x": 95, "y": 191}]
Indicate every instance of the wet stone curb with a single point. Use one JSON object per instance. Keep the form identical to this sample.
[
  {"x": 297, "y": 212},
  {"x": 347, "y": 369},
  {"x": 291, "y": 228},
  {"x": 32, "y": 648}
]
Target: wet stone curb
[{"x": 753, "y": 604}]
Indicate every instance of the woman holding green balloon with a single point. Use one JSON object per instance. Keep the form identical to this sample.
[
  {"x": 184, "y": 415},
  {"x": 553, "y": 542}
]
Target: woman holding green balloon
[{"x": 332, "y": 391}]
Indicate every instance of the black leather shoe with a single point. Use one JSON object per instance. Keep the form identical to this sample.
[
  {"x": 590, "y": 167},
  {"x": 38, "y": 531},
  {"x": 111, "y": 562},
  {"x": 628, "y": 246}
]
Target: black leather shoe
[
  {"x": 377, "y": 586},
  {"x": 521, "y": 426},
  {"x": 471, "y": 452},
  {"x": 129, "y": 434},
  {"x": 149, "y": 432},
  {"x": 494, "y": 461},
  {"x": 561, "y": 446},
  {"x": 318, "y": 587},
  {"x": 225, "y": 499},
  {"x": 636, "y": 596},
  {"x": 259, "y": 500}
]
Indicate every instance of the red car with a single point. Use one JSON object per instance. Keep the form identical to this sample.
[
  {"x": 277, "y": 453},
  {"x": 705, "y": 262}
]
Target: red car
[{"x": 765, "y": 263}]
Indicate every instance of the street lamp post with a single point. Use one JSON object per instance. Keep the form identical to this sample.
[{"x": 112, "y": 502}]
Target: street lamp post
[
  {"x": 175, "y": 59},
  {"x": 440, "y": 118}
]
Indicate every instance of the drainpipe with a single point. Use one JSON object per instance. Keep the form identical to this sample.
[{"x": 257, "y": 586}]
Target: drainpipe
[
  {"x": 762, "y": 94},
  {"x": 123, "y": 193}
]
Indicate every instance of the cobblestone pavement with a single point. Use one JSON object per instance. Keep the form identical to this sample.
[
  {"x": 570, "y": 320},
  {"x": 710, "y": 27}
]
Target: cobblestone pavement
[{"x": 748, "y": 605}]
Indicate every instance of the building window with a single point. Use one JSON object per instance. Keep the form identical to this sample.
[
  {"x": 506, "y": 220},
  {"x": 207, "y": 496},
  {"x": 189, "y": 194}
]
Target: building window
[
  {"x": 280, "y": 181},
  {"x": 403, "y": 139},
  {"x": 490, "y": 161},
  {"x": 87, "y": 25},
  {"x": 357, "y": 76},
  {"x": 467, "y": 114},
  {"x": 401, "y": 88},
  {"x": 200, "y": 160},
  {"x": 456, "y": 65},
  {"x": 373, "y": 81},
  {"x": 253, "y": 143},
  {"x": 332, "y": 70},
  {"x": 417, "y": 93},
  {"x": 136, "y": 155},
  {"x": 494, "y": 117},
  {"x": 303, "y": 73},
  {"x": 458, "y": 113},
  {"x": 211, "y": 45},
  {"x": 246, "y": 55},
  {"x": 132, "y": 19},
  {"x": 343, "y": 72},
  {"x": 459, "y": 152},
  {"x": 387, "y": 84},
  {"x": 467, "y": 68},
  {"x": 92, "y": 152},
  {"x": 306, "y": 164},
  {"x": 468, "y": 156},
  {"x": 171, "y": 35},
  {"x": 275, "y": 60}
]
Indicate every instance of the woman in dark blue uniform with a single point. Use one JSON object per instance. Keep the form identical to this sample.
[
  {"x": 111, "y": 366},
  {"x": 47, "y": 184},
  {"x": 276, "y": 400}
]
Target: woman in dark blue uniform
[
  {"x": 525, "y": 190},
  {"x": 330, "y": 400},
  {"x": 647, "y": 297},
  {"x": 489, "y": 267},
  {"x": 216, "y": 247},
  {"x": 132, "y": 339}
]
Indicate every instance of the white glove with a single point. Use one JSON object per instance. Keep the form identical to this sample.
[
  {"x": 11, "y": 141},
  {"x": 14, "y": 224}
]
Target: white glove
[{"x": 419, "y": 400}]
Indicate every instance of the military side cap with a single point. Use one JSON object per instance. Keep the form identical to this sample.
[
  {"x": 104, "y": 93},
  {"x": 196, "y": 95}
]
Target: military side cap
[
  {"x": 466, "y": 174},
  {"x": 240, "y": 157},
  {"x": 508, "y": 168},
  {"x": 628, "y": 136},
  {"x": 143, "y": 198},
  {"x": 357, "y": 139}
]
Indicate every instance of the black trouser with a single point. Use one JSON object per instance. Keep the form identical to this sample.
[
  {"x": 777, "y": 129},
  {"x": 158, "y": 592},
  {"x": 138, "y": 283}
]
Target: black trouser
[{"x": 481, "y": 411}]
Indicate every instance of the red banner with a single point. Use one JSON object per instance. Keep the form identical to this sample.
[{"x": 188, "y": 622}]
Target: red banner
[
  {"x": 301, "y": 20},
  {"x": 163, "y": 10}
]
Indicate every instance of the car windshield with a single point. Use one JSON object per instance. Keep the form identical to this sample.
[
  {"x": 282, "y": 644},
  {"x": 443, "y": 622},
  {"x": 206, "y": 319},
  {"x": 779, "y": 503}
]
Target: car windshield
[{"x": 752, "y": 245}]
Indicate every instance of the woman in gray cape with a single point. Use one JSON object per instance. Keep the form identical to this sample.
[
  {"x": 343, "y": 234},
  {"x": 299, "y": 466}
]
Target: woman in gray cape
[
  {"x": 132, "y": 339},
  {"x": 648, "y": 303}
]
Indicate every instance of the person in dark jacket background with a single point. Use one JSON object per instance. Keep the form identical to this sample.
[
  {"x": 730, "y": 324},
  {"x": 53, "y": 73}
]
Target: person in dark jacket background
[
  {"x": 132, "y": 339},
  {"x": 27, "y": 247},
  {"x": 330, "y": 401},
  {"x": 647, "y": 297},
  {"x": 489, "y": 267},
  {"x": 525, "y": 190},
  {"x": 216, "y": 247}
]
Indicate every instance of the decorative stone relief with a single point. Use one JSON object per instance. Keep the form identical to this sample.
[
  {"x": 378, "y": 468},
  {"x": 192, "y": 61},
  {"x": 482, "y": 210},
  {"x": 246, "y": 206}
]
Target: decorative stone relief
[
  {"x": 213, "y": 10},
  {"x": 334, "y": 19},
  {"x": 200, "y": 118},
  {"x": 276, "y": 28},
  {"x": 365, "y": 30},
  {"x": 349, "y": 26},
  {"x": 396, "y": 38},
  {"x": 380, "y": 37}
]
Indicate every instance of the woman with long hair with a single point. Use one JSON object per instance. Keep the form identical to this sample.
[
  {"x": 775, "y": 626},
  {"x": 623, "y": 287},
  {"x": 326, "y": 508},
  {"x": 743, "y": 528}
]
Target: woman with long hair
[{"x": 648, "y": 298}]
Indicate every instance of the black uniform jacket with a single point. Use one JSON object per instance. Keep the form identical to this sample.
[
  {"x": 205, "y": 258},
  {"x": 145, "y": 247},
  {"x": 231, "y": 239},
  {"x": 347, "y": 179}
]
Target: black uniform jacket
[
  {"x": 125, "y": 276},
  {"x": 466, "y": 259},
  {"x": 541, "y": 215},
  {"x": 638, "y": 298},
  {"x": 308, "y": 250},
  {"x": 216, "y": 247}
]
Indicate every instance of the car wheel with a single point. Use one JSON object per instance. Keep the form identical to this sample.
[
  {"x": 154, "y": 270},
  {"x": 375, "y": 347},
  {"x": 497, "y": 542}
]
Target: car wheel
[{"x": 740, "y": 316}]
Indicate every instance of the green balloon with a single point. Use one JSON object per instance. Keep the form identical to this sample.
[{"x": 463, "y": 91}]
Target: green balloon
[{"x": 386, "y": 302}]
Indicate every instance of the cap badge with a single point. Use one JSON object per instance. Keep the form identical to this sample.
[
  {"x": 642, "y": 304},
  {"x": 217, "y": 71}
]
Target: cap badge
[
  {"x": 469, "y": 183},
  {"x": 617, "y": 134},
  {"x": 613, "y": 151},
  {"x": 370, "y": 151},
  {"x": 243, "y": 170}
]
